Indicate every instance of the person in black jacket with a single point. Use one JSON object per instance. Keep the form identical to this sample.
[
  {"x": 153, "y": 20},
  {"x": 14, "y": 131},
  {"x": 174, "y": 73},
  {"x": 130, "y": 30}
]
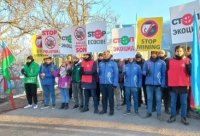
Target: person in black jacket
[{"x": 166, "y": 95}]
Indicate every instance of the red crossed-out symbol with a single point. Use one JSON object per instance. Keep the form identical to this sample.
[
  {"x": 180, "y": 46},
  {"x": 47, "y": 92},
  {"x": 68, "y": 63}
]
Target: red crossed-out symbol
[
  {"x": 50, "y": 42},
  {"x": 187, "y": 19},
  {"x": 149, "y": 28},
  {"x": 38, "y": 41},
  {"x": 79, "y": 33}
]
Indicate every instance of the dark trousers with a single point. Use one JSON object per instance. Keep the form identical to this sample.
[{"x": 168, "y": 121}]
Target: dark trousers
[
  {"x": 178, "y": 104},
  {"x": 93, "y": 93},
  {"x": 154, "y": 101},
  {"x": 166, "y": 98},
  {"x": 31, "y": 93},
  {"x": 139, "y": 97},
  {"x": 107, "y": 94},
  {"x": 98, "y": 93}
]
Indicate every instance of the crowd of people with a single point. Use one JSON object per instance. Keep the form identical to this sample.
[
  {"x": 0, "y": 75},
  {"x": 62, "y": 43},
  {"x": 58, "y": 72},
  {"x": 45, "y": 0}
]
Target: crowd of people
[{"x": 158, "y": 78}]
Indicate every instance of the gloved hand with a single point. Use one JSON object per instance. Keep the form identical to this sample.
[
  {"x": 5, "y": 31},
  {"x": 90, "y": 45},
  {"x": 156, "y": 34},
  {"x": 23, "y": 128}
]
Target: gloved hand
[
  {"x": 147, "y": 72},
  {"x": 24, "y": 73},
  {"x": 82, "y": 71}
]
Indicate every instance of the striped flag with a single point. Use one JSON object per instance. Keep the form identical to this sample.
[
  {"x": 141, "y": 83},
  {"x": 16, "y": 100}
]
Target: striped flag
[
  {"x": 7, "y": 60},
  {"x": 195, "y": 80}
]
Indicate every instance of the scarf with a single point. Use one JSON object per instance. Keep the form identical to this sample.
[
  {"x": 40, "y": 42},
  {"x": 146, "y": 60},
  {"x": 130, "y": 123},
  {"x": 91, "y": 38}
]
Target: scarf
[{"x": 63, "y": 71}]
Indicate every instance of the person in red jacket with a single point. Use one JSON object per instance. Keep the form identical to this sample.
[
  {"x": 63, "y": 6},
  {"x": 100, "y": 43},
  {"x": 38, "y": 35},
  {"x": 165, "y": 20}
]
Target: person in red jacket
[{"x": 179, "y": 82}]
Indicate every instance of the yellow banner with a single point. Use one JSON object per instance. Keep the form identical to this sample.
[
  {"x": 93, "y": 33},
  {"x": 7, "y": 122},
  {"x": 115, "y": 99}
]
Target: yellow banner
[
  {"x": 37, "y": 47},
  {"x": 149, "y": 34}
]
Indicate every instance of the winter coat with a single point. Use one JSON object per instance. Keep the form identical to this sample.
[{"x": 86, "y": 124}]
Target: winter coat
[
  {"x": 75, "y": 73},
  {"x": 93, "y": 72},
  {"x": 133, "y": 75},
  {"x": 157, "y": 72},
  {"x": 49, "y": 78},
  {"x": 108, "y": 72},
  {"x": 64, "y": 81},
  {"x": 32, "y": 72}
]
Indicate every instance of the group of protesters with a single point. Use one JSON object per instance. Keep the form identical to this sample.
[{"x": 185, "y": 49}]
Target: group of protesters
[{"x": 157, "y": 78}]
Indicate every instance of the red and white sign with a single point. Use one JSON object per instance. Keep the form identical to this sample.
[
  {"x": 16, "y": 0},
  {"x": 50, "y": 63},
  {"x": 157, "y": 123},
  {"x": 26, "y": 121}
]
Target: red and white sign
[
  {"x": 149, "y": 28},
  {"x": 50, "y": 41},
  {"x": 123, "y": 42},
  {"x": 182, "y": 20},
  {"x": 79, "y": 45},
  {"x": 96, "y": 36}
]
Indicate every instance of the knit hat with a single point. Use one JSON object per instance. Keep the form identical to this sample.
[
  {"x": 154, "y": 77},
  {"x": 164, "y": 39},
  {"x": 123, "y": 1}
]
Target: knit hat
[
  {"x": 138, "y": 55},
  {"x": 155, "y": 52},
  {"x": 163, "y": 51}
]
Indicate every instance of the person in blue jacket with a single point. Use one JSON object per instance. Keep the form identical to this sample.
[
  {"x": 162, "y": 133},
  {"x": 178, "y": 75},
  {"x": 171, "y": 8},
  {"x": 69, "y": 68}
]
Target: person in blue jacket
[
  {"x": 108, "y": 80},
  {"x": 155, "y": 71},
  {"x": 48, "y": 81},
  {"x": 132, "y": 81}
]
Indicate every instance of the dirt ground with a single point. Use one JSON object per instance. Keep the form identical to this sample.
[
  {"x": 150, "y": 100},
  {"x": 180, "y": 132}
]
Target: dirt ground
[{"x": 70, "y": 122}]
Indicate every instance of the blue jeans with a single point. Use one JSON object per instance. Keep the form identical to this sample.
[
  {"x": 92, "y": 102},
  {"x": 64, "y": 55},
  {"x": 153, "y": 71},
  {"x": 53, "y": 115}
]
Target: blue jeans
[
  {"x": 94, "y": 95},
  {"x": 49, "y": 89},
  {"x": 107, "y": 94},
  {"x": 183, "y": 101},
  {"x": 150, "y": 90},
  {"x": 64, "y": 92},
  {"x": 134, "y": 92}
]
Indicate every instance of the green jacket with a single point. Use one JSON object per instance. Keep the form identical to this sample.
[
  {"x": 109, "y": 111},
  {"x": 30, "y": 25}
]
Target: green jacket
[
  {"x": 32, "y": 72},
  {"x": 75, "y": 73}
]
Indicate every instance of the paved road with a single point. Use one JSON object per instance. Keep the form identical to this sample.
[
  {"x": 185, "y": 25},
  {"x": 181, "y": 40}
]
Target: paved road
[{"x": 48, "y": 122}]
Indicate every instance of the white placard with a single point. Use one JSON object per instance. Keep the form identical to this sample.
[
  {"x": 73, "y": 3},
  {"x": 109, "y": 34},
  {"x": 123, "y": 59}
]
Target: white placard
[
  {"x": 79, "y": 45},
  {"x": 50, "y": 41},
  {"x": 96, "y": 36},
  {"x": 66, "y": 41},
  {"x": 123, "y": 42},
  {"x": 181, "y": 18}
]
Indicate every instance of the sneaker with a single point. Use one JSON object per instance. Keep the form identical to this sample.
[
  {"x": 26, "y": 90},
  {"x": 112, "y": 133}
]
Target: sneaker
[
  {"x": 45, "y": 107},
  {"x": 123, "y": 104},
  {"x": 127, "y": 112},
  {"x": 75, "y": 106},
  {"x": 28, "y": 106},
  {"x": 35, "y": 106},
  {"x": 111, "y": 113},
  {"x": 147, "y": 115},
  {"x": 81, "y": 107},
  {"x": 102, "y": 112},
  {"x": 62, "y": 106},
  {"x": 184, "y": 121},
  {"x": 171, "y": 119},
  {"x": 136, "y": 112},
  {"x": 84, "y": 110},
  {"x": 53, "y": 107}
]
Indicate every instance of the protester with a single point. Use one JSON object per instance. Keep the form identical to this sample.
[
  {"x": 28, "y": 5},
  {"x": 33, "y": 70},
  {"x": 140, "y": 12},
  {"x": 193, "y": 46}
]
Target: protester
[
  {"x": 30, "y": 72},
  {"x": 108, "y": 79},
  {"x": 88, "y": 81},
  {"x": 155, "y": 71},
  {"x": 76, "y": 82},
  {"x": 133, "y": 81},
  {"x": 179, "y": 80},
  {"x": 63, "y": 83},
  {"x": 165, "y": 91},
  {"x": 48, "y": 82}
]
